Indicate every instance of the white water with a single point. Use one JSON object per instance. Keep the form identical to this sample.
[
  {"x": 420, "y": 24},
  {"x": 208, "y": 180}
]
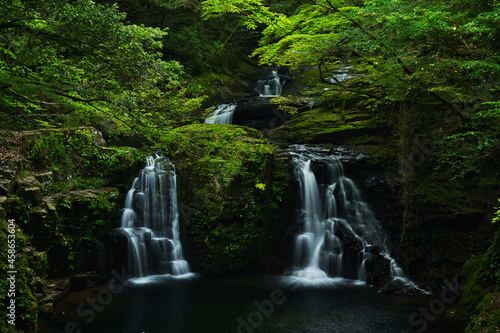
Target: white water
[
  {"x": 151, "y": 221},
  {"x": 271, "y": 86},
  {"x": 340, "y": 75},
  {"x": 339, "y": 232},
  {"x": 222, "y": 115}
]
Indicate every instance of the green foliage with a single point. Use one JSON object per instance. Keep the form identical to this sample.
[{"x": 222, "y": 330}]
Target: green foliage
[
  {"x": 85, "y": 218},
  {"x": 471, "y": 154},
  {"x": 481, "y": 275},
  {"x": 58, "y": 57},
  {"x": 75, "y": 157},
  {"x": 486, "y": 316},
  {"x": 231, "y": 150},
  {"x": 260, "y": 186},
  {"x": 496, "y": 218},
  {"x": 26, "y": 305},
  {"x": 303, "y": 39},
  {"x": 251, "y": 13}
]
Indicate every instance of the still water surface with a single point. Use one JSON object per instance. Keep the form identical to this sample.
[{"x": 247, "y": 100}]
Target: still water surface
[{"x": 242, "y": 304}]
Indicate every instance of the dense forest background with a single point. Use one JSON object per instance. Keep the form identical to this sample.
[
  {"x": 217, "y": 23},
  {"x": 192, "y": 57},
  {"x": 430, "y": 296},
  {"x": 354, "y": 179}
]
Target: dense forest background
[
  {"x": 426, "y": 72},
  {"x": 146, "y": 66}
]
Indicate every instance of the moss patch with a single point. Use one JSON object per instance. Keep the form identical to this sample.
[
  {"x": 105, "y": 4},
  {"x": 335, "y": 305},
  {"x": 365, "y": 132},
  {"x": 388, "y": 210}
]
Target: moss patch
[
  {"x": 77, "y": 157},
  {"x": 323, "y": 125},
  {"x": 231, "y": 191},
  {"x": 486, "y": 316},
  {"x": 383, "y": 151},
  {"x": 481, "y": 296},
  {"x": 26, "y": 312}
]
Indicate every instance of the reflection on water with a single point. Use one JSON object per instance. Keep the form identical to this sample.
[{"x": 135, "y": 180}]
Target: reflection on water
[{"x": 241, "y": 304}]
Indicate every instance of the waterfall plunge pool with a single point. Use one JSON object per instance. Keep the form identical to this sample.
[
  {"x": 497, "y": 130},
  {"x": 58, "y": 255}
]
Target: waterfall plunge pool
[{"x": 245, "y": 304}]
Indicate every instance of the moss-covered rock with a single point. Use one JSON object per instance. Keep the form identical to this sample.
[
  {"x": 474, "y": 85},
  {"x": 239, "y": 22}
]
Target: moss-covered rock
[
  {"x": 68, "y": 226},
  {"x": 232, "y": 190},
  {"x": 23, "y": 316},
  {"x": 324, "y": 125},
  {"x": 486, "y": 316},
  {"x": 84, "y": 218},
  {"x": 52, "y": 184},
  {"x": 480, "y": 300},
  {"x": 446, "y": 200},
  {"x": 77, "y": 158}
]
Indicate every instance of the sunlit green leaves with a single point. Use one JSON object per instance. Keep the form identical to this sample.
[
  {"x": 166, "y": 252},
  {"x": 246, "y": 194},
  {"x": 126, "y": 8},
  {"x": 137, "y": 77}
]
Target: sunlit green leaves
[
  {"x": 304, "y": 38},
  {"x": 251, "y": 13},
  {"x": 81, "y": 57}
]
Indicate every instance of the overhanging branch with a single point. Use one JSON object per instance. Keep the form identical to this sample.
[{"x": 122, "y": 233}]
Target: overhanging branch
[{"x": 393, "y": 53}]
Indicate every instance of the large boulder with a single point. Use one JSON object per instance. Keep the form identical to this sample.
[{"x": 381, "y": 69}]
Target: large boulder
[{"x": 234, "y": 195}]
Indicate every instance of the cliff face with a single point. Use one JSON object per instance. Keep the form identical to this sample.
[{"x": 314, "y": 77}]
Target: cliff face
[
  {"x": 56, "y": 188},
  {"x": 235, "y": 196}
]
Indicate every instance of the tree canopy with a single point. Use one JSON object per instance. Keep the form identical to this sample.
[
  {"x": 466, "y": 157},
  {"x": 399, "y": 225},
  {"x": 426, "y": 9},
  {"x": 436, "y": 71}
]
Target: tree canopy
[
  {"x": 61, "y": 57},
  {"x": 439, "y": 53},
  {"x": 86, "y": 60}
]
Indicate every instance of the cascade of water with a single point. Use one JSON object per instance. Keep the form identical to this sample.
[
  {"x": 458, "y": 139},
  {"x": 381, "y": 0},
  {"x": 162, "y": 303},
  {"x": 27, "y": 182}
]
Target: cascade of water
[
  {"x": 339, "y": 233},
  {"x": 270, "y": 86},
  {"x": 150, "y": 219},
  {"x": 222, "y": 115},
  {"x": 340, "y": 75}
]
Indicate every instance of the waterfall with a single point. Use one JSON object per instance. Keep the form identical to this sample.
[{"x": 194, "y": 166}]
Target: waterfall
[
  {"x": 150, "y": 220},
  {"x": 270, "y": 86},
  {"x": 222, "y": 115},
  {"x": 339, "y": 234},
  {"x": 340, "y": 75}
]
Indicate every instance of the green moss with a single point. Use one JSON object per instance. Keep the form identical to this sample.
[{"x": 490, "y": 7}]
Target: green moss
[
  {"x": 486, "y": 316},
  {"x": 481, "y": 295},
  {"x": 26, "y": 305},
  {"x": 324, "y": 125},
  {"x": 438, "y": 189},
  {"x": 65, "y": 224},
  {"x": 220, "y": 150},
  {"x": 437, "y": 193},
  {"x": 77, "y": 157},
  {"x": 229, "y": 192},
  {"x": 383, "y": 151},
  {"x": 86, "y": 215}
]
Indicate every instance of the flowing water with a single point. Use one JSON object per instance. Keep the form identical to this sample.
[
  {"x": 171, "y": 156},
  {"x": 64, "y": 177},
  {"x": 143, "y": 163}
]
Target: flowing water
[
  {"x": 326, "y": 290},
  {"x": 150, "y": 219},
  {"x": 222, "y": 115},
  {"x": 253, "y": 303},
  {"x": 339, "y": 234},
  {"x": 270, "y": 86},
  {"x": 256, "y": 109}
]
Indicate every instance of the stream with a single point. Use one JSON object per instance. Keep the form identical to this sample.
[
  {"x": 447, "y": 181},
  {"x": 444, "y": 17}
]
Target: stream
[
  {"x": 327, "y": 290},
  {"x": 244, "y": 304}
]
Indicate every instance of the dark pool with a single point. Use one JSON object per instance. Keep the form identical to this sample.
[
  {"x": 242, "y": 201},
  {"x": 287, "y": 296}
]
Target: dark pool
[{"x": 245, "y": 304}]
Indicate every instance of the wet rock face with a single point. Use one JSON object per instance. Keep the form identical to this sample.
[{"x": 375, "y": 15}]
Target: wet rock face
[
  {"x": 259, "y": 113},
  {"x": 116, "y": 249},
  {"x": 235, "y": 196}
]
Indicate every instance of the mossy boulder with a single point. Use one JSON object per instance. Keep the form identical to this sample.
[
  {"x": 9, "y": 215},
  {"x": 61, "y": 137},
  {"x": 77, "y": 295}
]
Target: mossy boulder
[
  {"x": 233, "y": 189},
  {"x": 480, "y": 300},
  {"x": 383, "y": 151},
  {"x": 486, "y": 316},
  {"x": 325, "y": 125},
  {"x": 447, "y": 202},
  {"x": 85, "y": 216},
  {"x": 77, "y": 158}
]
